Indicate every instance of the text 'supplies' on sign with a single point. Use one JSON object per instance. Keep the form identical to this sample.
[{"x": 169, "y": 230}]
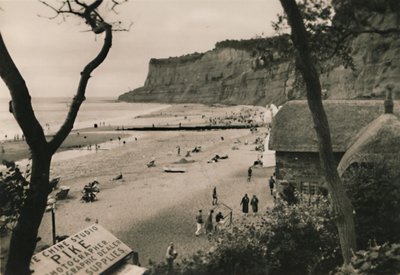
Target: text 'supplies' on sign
[{"x": 90, "y": 251}]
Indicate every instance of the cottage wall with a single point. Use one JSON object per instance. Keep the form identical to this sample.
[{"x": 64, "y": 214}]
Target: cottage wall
[{"x": 300, "y": 166}]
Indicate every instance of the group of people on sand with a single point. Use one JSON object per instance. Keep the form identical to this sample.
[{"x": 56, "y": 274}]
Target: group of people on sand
[
  {"x": 242, "y": 117},
  {"x": 254, "y": 200},
  {"x": 207, "y": 226},
  {"x": 245, "y": 205}
]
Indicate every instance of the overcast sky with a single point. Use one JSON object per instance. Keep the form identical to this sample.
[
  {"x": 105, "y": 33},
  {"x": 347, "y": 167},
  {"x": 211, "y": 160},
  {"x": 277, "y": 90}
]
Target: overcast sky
[{"x": 50, "y": 54}]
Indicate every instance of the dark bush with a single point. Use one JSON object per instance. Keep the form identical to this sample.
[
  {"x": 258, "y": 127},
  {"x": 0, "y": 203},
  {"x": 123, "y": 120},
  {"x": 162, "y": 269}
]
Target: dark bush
[
  {"x": 13, "y": 190},
  {"x": 376, "y": 199},
  {"x": 377, "y": 260},
  {"x": 301, "y": 238}
]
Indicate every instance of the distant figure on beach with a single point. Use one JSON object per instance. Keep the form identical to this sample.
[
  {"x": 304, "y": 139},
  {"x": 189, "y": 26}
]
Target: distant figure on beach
[
  {"x": 151, "y": 163},
  {"x": 222, "y": 138},
  {"x": 170, "y": 256},
  {"x": 214, "y": 196},
  {"x": 199, "y": 222},
  {"x": 245, "y": 204},
  {"x": 254, "y": 204},
  {"x": 209, "y": 222},
  {"x": 179, "y": 150},
  {"x": 249, "y": 173},
  {"x": 119, "y": 177},
  {"x": 271, "y": 184}
]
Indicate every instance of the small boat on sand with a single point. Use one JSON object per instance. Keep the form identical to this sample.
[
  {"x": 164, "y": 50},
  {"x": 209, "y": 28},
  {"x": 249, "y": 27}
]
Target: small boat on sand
[{"x": 174, "y": 169}]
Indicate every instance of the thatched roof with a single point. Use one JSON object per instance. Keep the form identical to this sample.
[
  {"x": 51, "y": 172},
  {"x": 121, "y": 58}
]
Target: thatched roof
[
  {"x": 293, "y": 130},
  {"x": 379, "y": 142}
]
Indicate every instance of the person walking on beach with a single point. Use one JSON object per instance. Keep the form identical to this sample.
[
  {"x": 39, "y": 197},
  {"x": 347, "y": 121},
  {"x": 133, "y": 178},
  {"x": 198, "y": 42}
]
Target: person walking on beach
[
  {"x": 209, "y": 222},
  {"x": 249, "y": 173},
  {"x": 199, "y": 222},
  {"x": 214, "y": 196},
  {"x": 245, "y": 204},
  {"x": 179, "y": 150},
  {"x": 170, "y": 257},
  {"x": 254, "y": 204},
  {"x": 271, "y": 184}
]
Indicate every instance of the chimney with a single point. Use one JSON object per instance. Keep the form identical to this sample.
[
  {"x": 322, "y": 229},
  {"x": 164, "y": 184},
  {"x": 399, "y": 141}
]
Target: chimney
[{"x": 389, "y": 101}]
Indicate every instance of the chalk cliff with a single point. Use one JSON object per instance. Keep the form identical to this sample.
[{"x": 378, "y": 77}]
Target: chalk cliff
[{"x": 230, "y": 74}]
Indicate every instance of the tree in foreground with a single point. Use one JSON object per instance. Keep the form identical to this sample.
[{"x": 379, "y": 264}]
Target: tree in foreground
[
  {"x": 305, "y": 63},
  {"x": 23, "y": 239}
]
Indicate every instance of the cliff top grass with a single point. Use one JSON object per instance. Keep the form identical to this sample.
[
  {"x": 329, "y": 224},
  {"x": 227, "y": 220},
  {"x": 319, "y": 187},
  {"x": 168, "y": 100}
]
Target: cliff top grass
[
  {"x": 179, "y": 59},
  {"x": 255, "y": 45},
  {"x": 281, "y": 42}
]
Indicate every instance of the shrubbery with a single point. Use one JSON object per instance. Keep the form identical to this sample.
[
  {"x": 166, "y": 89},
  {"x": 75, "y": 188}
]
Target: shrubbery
[
  {"x": 301, "y": 238},
  {"x": 377, "y": 260},
  {"x": 376, "y": 199},
  {"x": 13, "y": 190}
]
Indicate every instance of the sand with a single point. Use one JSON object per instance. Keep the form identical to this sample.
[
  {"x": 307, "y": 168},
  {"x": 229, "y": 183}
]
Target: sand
[
  {"x": 78, "y": 139},
  {"x": 150, "y": 208}
]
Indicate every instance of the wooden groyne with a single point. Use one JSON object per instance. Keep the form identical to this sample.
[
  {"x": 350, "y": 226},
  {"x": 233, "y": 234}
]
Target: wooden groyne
[{"x": 189, "y": 127}]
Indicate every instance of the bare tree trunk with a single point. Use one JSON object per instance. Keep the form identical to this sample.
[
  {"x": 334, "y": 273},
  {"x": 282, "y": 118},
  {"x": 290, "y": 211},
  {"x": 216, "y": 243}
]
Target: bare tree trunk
[
  {"x": 341, "y": 204},
  {"x": 23, "y": 241}
]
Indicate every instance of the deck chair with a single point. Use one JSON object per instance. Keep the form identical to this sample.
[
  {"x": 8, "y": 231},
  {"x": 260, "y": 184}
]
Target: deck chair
[{"x": 63, "y": 193}]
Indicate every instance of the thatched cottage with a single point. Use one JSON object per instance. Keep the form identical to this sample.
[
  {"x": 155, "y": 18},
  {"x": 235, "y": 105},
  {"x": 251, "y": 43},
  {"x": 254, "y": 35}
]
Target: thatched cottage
[{"x": 357, "y": 126}]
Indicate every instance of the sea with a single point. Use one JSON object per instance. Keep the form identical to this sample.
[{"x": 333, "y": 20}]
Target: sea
[{"x": 51, "y": 113}]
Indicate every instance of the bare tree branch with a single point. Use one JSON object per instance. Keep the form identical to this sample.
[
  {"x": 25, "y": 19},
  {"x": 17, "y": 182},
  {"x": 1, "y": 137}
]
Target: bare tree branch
[
  {"x": 117, "y": 3},
  {"x": 98, "y": 25},
  {"x": 68, "y": 124},
  {"x": 23, "y": 240}
]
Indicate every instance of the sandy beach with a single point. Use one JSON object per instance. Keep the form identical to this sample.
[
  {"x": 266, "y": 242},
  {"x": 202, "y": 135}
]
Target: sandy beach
[{"x": 149, "y": 208}]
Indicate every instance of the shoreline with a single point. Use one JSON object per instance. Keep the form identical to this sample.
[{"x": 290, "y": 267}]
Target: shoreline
[
  {"x": 77, "y": 140},
  {"x": 164, "y": 117}
]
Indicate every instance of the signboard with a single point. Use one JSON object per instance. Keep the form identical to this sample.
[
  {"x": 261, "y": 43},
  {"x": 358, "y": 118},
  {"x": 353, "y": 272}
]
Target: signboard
[{"x": 89, "y": 252}]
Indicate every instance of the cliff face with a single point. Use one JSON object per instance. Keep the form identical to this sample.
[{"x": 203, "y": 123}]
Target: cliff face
[
  {"x": 218, "y": 76},
  {"x": 236, "y": 76}
]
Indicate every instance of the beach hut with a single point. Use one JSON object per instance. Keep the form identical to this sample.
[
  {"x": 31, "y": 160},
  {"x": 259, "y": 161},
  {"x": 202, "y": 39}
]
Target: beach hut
[
  {"x": 295, "y": 142},
  {"x": 268, "y": 155},
  {"x": 378, "y": 142}
]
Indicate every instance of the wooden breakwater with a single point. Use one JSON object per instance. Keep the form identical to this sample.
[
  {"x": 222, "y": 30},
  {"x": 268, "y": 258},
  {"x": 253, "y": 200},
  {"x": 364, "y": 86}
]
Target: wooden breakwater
[{"x": 190, "y": 127}]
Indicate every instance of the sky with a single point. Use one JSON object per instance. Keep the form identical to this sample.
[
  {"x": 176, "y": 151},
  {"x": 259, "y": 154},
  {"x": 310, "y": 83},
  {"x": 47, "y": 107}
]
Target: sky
[{"x": 50, "y": 54}]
